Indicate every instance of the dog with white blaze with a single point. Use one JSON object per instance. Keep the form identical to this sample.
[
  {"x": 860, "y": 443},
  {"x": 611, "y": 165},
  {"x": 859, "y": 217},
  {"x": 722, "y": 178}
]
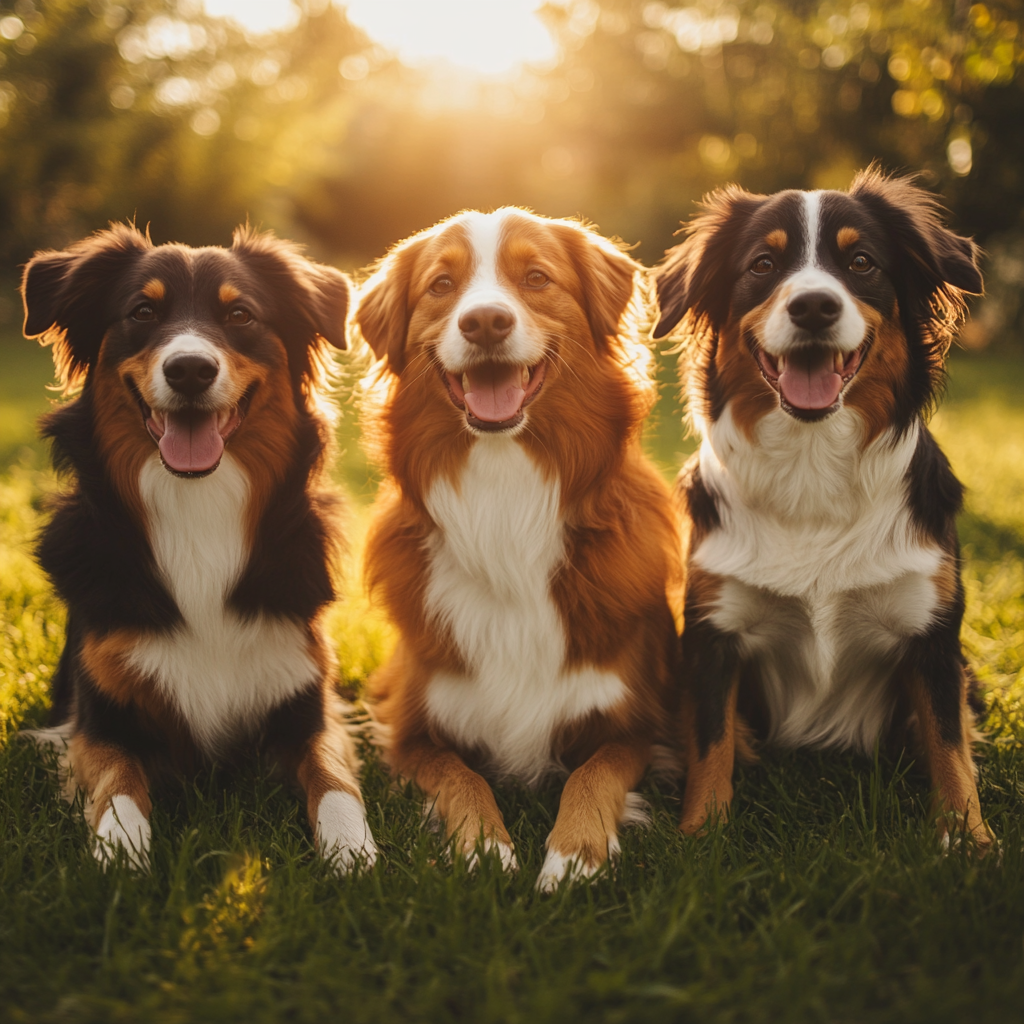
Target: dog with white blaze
[
  {"x": 823, "y": 598},
  {"x": 194, "y": 546},
  {"x": 523, "y": 545}
]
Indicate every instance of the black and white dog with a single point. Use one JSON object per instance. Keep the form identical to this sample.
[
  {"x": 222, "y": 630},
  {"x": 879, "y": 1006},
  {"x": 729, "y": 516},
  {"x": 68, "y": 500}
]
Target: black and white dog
[
  {"x": 824, "y": 597},
  {"x": 193, "y": 547}
]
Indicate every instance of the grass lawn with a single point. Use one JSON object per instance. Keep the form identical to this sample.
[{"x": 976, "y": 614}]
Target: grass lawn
[{"x": 825, "y": 899}]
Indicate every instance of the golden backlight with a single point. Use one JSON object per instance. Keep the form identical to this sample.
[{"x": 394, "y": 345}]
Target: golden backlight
[{"x": 491, "y": 37}]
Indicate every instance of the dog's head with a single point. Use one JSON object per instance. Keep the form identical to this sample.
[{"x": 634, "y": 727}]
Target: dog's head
[
  {"x": 492, "y": 312},
  {"x": 809, "y": 301},
  {"x": 185, "y": 348}
]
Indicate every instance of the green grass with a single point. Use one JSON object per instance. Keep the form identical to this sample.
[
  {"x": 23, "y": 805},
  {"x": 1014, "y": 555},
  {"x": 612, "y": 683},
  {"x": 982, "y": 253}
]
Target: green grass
[{"x": 825, "y": 899}]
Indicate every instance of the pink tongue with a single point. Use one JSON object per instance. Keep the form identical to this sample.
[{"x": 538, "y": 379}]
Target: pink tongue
[
  {"x": 495, "y": 393},
  {"x": 811, "y": 384},
  {"x": 191, "y": 442}
]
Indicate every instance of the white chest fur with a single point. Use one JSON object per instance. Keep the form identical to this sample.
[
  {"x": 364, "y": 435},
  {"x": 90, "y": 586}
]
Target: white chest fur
[
  {"x": 826, "y": 574},
  {"x": 222, "y": 672},
  {"x": 499, "y": 540}
]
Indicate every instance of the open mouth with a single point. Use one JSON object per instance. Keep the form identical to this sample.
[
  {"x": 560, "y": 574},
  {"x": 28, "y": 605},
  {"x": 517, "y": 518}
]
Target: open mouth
[
  {"x": 810, "y": 380},
  {"x": 191, "y": 440},
  {"x": 494, "y": 395}
]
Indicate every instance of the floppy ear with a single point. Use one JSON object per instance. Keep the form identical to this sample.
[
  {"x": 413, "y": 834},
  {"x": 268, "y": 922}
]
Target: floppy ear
[
  {"x": 310, "y": 301},
  {"x": 696, "y": 277},
  {"x": 66, "y": 296},
  {"x": 382, "y": 315},
  {"x": 608, "y": 279},
  {"x": 932, "y": 267}
]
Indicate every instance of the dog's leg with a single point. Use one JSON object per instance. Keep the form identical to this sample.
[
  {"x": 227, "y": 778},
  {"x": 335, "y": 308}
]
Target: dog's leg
[
  {"x": 309, "y": 740},
  {"x": 118, "y": 805},
  {"x": 945, "y": 718},
  {"x": 711, "y": 675},
  {"x": 592, "y": 805},
  {"x": 460, "y": 797},
  {"x": 333, "y": 800}
]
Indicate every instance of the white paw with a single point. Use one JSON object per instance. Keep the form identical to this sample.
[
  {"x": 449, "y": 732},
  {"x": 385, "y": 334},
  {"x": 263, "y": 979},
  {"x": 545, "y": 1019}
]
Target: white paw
[
  {"x": 505, "y": 854},
  {"x": 559, "y": 867},
  {"x": 343, "y": 833},
  {"x": 123, "y": 826}
]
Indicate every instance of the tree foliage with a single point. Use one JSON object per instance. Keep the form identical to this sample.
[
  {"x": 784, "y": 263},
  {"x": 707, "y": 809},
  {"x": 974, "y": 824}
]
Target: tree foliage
[{"x": 152, "y": 109}]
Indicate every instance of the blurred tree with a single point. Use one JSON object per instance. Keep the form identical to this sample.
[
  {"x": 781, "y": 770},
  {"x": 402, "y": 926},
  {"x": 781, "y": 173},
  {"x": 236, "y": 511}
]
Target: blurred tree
[
  {"x": 111, "y": 108},
  {"x": 151, "y": 108}
]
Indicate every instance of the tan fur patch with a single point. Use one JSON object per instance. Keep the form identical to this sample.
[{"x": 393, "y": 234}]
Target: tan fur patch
[
  {"x": 228, "y": 293},
  {"x": 739, "y": 380},
  {"x": 709, "y": 778},
  {"x": 945, "y": 580},
  {"x": 846, "y": 237},
  {"x": 952, "y": 767},
  {"x": 777, "y": 239},
  {"x": 593, "y": 801},
  {"x": 873, "y": 391},
  {"x": 105, "y": 771},
  {"x": 154, "y": 289}
]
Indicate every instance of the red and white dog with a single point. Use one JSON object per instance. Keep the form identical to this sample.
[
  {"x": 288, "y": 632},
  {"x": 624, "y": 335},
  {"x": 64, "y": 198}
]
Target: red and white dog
[
  {"x": 823, "y": 596},
  {"x": 524, "y": 544},
  {"x": 193, "y": 548}
]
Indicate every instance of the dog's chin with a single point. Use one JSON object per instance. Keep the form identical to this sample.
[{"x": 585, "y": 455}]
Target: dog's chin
[
  {"x": 493, "y": 397},
  {"x": 810, "y": 380}
]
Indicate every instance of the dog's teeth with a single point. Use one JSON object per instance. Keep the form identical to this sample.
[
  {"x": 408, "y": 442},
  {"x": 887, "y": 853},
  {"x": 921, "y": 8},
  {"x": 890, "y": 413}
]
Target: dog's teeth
[
  {"x": 839, "y": 362},
  {"x": 526, "y": 377},
  {"x": 465, "y": 383},
  {"x": 780, "y": 362}
]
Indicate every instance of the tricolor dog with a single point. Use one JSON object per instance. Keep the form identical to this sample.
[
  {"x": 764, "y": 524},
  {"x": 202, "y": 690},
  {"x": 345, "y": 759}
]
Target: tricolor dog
[
  {"x": 824, "y": 597},
  {"x": 524, "y": 545},
  {"x": 194, "y": 546}
]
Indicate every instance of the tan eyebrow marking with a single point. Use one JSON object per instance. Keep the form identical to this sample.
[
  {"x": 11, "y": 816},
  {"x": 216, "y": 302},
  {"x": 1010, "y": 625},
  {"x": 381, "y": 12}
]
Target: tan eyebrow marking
[
  {"x": 228, "y": 293},
  {"x": 847, "y": 237},
  {"x": 154, "y": 289},
  {"x": 777, "y": 239}
]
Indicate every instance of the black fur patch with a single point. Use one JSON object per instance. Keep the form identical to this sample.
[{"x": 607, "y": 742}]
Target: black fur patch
[{"x": 936, "y": 496}]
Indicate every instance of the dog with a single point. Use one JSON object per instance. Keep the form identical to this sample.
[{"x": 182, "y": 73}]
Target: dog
[
  {"x": 194, "y": 548},
  {"x": 523, "y": 544},
  {"x": 823, "y": 596}
]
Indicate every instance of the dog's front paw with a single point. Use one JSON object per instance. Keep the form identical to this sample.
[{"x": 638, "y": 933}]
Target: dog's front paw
[
  {"x": 123, "y": 827},
  {"x": 343, "y": 834},
  {"x": 573, "y": 867},
  {"x": 491, "y": 846}
]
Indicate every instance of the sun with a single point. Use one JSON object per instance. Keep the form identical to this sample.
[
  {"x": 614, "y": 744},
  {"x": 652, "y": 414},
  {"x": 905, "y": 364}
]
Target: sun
[{"x": 490, "y": 37}]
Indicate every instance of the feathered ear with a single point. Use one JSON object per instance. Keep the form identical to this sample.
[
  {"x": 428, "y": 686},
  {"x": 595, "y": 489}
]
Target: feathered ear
[
  {"x": 932, "y": 267},
  {"x": 66, "y": 296},
  {"x": 696, "y": 277},
  {"x": 382, "y": 315},
  {"x": 310, "y": 301},
  {"x": 608, "y": 279}
]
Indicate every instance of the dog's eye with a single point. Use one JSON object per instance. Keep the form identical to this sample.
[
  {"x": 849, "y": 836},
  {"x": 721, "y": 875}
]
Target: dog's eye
[
  {"x": 763, "y": 265},
  {"x": 239, "y": 316},
  {"x": 442, "y": 285},
  {"x": 144, "y": 312},
  {"x": 536, "y": 279},
  {"x": 862, "y": 263}
]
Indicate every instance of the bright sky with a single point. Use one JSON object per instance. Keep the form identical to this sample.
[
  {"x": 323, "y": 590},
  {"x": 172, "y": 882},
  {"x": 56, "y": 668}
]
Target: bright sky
[{"x": 489, "y": 36}]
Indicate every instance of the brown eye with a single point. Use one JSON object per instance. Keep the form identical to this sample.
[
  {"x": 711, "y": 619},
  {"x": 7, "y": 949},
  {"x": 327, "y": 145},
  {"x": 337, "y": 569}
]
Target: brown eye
[
  {"x": 861, "y": 263},
  {"x": 763, "y": 265},
  {"x": 239, "y": 316},
  {"x": 144, "y": 312},
  {"x": 536, "y": 279},
  {"x": 442, "y": 285}
]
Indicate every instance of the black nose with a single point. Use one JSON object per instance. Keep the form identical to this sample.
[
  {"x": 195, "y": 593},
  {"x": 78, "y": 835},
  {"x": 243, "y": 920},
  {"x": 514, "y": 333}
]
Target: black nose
[
  {"x": 814, "y": 311},
  {"x": 190, "y": 374},
  {"x": 486, "y": 325}
]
